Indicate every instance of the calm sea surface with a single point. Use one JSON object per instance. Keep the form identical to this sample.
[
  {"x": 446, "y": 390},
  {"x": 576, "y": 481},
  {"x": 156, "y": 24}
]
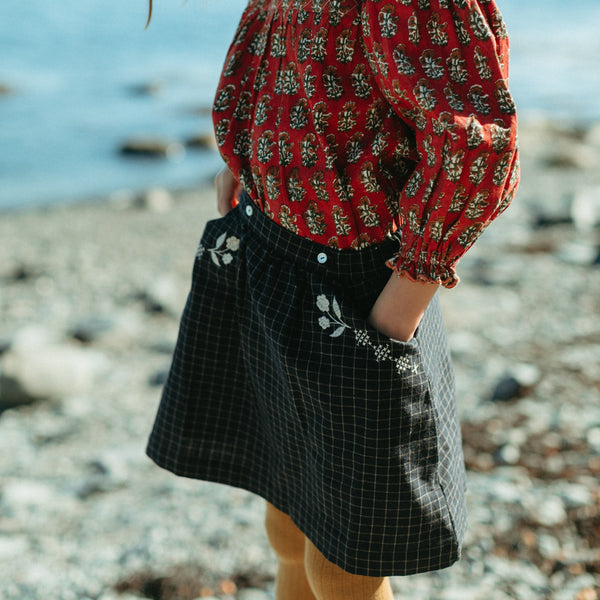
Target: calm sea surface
[{"x": 74, "y": 66}]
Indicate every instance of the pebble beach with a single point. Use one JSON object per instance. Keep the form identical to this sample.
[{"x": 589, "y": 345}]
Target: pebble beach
[{"x": 90, "y": 297}]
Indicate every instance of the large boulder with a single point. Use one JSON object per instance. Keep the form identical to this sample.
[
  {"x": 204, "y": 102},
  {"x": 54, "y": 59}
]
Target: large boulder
[{"x": 39, "y": 367}]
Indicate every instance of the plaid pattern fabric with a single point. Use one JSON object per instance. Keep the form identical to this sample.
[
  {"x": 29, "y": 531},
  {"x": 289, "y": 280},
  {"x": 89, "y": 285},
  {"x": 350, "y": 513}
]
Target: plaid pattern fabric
[{"x": 280, "y": 386}]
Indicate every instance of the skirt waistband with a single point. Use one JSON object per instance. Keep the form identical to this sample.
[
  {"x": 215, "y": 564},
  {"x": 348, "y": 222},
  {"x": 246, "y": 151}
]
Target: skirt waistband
[{"x": 313, "y": 255}]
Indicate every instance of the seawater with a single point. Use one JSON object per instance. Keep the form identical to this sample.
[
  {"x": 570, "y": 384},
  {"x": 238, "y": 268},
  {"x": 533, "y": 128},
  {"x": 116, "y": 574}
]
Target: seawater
[{"x": 74, "y": 67}]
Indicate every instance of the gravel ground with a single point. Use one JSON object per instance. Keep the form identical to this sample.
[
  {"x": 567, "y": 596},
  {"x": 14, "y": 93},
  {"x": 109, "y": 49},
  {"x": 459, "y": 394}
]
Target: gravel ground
[{"x": 90, "y": 296}]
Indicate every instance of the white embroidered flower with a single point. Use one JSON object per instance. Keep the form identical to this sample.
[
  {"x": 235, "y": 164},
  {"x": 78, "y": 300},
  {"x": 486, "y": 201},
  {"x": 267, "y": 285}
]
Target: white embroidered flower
[
  {"x": 322, "y": 303},
  {"x": 200, "y": 251},
  {"x": 324, "y": 322},
  {"x": 226, "y": 258},
  {"x": 233, "y": 243}
]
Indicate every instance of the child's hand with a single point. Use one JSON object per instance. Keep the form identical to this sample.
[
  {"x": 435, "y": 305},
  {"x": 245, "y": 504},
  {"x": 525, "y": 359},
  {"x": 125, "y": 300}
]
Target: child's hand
[
  {"x": 400, "y": 306},
  {"x": 228, "y": 190}
]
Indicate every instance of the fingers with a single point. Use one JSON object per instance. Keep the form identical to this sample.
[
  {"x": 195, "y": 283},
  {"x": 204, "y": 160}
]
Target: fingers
[{"x": 228, "y": 189}]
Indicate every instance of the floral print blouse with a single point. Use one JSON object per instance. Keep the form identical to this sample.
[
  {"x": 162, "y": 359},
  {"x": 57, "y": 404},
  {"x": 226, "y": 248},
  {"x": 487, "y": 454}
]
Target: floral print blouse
[{"x": 349, "y": 120}]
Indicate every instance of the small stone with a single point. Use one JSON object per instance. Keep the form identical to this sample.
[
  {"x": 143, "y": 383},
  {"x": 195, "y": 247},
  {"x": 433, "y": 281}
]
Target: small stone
[
  {"x": 585, "y": 209},
  {"x": 91, "y": 328},
  {"x": 508, "y": 388},
  {"x": 587, "y": 594},
  {"x": 156, "y": 200},
  {"x": 163, "y": 296},
  {"x": 508, "y": 455},
  {"x": 593, "y": 438},
  {"x": 516, "y": 383},
  {"x": 548, "y": 512},
  {"x": 548, "y": 546},
  {"x": 5, "y": 89}
]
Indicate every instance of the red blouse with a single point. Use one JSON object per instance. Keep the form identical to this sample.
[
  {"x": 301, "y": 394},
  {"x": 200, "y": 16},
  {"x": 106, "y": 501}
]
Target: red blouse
[{"x": 348, "y": 119}]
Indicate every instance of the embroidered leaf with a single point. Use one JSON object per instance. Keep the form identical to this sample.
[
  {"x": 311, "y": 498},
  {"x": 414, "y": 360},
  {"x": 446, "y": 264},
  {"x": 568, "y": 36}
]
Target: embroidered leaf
[
  {"x": 220, "y": 240},
  {"x": 338, "y": 331},
  {"x": 215, "y": 259},
  {"x": 336, "y": 308}
]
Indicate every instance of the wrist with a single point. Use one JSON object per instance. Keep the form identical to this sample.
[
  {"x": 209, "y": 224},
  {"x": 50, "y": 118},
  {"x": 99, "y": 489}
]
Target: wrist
[{"x": 400, "y": 306}]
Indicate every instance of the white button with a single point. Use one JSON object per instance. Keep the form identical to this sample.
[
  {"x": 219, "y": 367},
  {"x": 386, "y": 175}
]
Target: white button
[
  {"x": 322, "y": 258},
  {"x": 249, "y": 211}
]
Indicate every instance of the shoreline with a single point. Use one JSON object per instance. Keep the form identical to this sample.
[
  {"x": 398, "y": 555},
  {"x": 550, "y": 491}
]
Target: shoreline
[{"x": 577, "y": 131}]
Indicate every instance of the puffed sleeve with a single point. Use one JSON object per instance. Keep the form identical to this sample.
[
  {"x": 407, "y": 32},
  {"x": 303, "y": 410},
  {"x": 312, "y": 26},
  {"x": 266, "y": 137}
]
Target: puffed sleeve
[{"x": 443, "y": 66}]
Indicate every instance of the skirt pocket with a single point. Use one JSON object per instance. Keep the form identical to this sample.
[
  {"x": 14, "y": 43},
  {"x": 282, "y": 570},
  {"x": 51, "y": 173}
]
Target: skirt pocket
[{"x": 377, "y": 390}]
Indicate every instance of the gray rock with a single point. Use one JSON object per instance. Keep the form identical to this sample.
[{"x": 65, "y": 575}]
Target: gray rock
[
  {"x": 92, "y": 328},
  {"x": 516, "y": 383},
  {"x": 5, "y": 89},
  {"x": 585, "y": 209},
  {"x": 163, "y": 296},
  {"x": 581, "y": 252},
  {"x": 33, "y": 370},
  {"x": 153, "y": 148},
  {"x": 157, "y": 200}
]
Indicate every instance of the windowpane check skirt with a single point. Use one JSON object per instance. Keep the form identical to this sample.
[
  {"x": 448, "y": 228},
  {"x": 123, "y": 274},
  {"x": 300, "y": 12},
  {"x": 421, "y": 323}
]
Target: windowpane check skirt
[{"x": 280, "y": 386}]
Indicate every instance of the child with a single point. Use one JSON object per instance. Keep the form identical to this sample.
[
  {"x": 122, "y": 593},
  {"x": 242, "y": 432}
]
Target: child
[{"x": 359, "y": 136}]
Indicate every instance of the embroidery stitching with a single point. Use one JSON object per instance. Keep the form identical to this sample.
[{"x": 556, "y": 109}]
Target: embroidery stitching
[
  {"x": 332, "y": 316},
  {"x": 219, "y": 253}
]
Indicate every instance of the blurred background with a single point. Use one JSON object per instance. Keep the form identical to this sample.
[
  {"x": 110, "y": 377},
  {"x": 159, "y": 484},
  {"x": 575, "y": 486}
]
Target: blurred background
[
  {"x": 79, "y": 82},
  {"x": 106, "y": 167}
]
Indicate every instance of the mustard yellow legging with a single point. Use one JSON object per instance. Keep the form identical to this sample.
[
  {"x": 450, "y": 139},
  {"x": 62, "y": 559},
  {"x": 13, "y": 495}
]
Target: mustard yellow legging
[{"x": 305, "y": 574}]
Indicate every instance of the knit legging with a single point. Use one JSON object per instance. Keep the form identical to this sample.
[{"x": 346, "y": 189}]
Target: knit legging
[{"x": 305, "y": 574}]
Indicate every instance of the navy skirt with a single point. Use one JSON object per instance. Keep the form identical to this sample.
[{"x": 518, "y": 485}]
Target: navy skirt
[{"x": 280, "y": 386}]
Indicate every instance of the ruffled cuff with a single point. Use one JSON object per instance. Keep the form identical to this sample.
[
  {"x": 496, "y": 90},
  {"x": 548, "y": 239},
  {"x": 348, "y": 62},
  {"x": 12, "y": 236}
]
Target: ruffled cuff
[{"x": 419, "y": 265}]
